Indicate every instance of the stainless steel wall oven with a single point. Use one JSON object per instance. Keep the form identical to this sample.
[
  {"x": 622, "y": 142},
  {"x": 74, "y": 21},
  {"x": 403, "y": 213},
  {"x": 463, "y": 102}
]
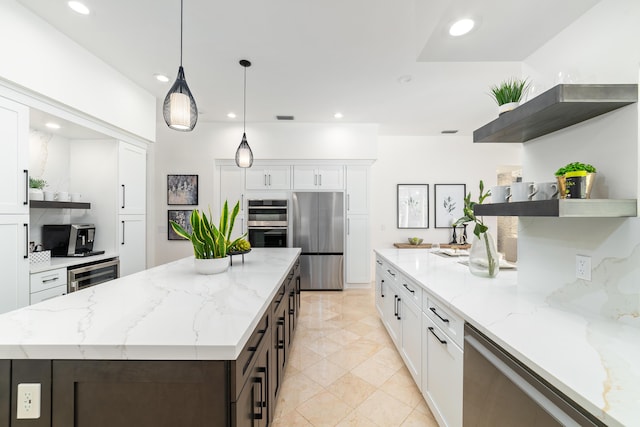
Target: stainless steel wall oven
[{"x": 268, "y": 223}]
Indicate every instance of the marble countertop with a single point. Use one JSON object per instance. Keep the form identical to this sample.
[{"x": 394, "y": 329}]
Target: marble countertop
[
  {"x": 168, "y": 312},
  {"x": 593, "y": 360}
]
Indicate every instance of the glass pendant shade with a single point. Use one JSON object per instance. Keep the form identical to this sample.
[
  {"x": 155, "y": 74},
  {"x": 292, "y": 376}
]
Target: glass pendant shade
[
  {"x": 244, "y": 155},
  {"x": 179, "y": 110}
]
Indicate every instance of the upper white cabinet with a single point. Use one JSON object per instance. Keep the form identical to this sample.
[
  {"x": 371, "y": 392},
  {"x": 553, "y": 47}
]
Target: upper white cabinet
[
  {"x": 232, "y": 186},
  {"x": 14, "y": 162},
  {"x": 357, "y": 190},
  {"x": 328, "y": 177},
  {"x": 268, "y": 178},
  {"x": 132, "y": 167}
]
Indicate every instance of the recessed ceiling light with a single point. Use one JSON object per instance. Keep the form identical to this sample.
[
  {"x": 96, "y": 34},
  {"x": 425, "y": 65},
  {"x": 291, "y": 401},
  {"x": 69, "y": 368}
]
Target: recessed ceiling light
[
  {"x": 161, "y": 78},
  {"x": 52, "y": 125},
  {"x": 231, "y": 115},
  {"x": 461, "y": 27},
  {"x": 79, "y": 7},
  {"x": 338, "y": 115}
]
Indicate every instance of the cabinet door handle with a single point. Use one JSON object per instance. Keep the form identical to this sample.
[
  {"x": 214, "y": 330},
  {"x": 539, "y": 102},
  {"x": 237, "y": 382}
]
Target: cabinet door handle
[
  {"x": 315, "y": 179},
  {"x": 26, "y": 240},
  {"x": 398, "y": 308},
  {"x": 393, "y": 274},
  {"x": 265, "y": 179},
  {"x": 348, "y": 226},
  {"x": 437, "y": 337},
  {"x": 123, "y": 196},
  {"x": 382, "y": 288},
  {"x": 242, "y": 203},
  {"x": 433, "y": 309},
  {"x": 348, "y": 202},
  {"x": 258, "y": 381},
  {"x": 269, "y": 180},
  {"x": 408, "y": 288},
  {"x": 320, "y": 180},
  {"x": 122, "y": 243},
  {"x": 26, "y": 187}
]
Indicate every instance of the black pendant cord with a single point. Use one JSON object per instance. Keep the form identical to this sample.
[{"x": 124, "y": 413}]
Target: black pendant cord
[
  {"x": 244, "y": 112},
  {"x": 181, "y": 7}
]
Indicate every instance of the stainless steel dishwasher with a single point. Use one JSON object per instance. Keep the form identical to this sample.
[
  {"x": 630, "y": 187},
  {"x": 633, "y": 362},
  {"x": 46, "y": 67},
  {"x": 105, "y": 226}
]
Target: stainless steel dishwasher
[
  {"x": 498, "y": 390},
  {"x": 90, "y": 274}
]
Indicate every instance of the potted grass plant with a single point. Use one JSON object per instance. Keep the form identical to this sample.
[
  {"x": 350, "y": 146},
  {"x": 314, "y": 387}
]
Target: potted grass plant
[
  {"x": 210, "y": 243},
  {"x": 509, "y": 93},
  {"x": 36, "y": 185}
]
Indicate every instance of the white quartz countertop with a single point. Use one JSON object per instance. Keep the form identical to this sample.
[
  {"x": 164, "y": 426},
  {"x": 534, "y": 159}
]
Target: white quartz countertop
[
  {"x": 593, "y": 360},
  {"x": 168, "y": 312}
]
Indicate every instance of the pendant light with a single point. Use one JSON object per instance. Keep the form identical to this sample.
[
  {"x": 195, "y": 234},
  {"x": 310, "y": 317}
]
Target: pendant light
[
  {"x": 244, "y": 156},
  {"x": 179, "y": 110}
]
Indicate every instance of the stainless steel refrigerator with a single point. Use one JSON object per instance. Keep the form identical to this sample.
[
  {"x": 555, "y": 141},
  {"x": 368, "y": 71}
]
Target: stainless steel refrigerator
[{"x": 318, "y": 228}]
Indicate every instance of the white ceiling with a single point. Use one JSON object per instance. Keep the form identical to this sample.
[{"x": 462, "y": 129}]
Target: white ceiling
[{"x": 313, "y": 58}]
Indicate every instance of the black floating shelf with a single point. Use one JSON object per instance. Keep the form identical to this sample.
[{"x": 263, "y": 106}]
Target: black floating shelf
[
  {"x": 559, "y": 107},
  {"x": 58, "y": 205},
  {"x": 564, "y": 208}
]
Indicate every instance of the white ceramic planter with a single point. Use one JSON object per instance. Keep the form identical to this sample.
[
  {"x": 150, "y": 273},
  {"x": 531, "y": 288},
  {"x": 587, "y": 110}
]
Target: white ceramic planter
[
  {"x": 36, "y": 194},
  {"x": 507, "y": 107},
  {"x": 211, "y": 266}
]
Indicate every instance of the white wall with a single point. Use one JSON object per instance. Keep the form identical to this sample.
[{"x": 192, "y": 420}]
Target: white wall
[
  {"x": 430, "y": 160},
  {"x": 196, "y": 152},
  {"x": 38, "y": 57},
  {"x": 603, "y": 46}
]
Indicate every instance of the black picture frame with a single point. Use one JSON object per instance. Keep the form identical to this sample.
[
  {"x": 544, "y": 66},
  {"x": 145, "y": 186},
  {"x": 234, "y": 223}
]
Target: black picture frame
[
  {"x": 182, "y": 190},
  {"x": 413, "y": 206},
  {"x": 182, "y": 217},
  {"x": 448, "y": 202}
]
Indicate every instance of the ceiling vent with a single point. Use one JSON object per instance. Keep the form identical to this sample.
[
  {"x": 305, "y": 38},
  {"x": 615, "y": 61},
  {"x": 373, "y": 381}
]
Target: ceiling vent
[
  {"x": 449, "y": 131},
  {"x": 285, "y": 117}
]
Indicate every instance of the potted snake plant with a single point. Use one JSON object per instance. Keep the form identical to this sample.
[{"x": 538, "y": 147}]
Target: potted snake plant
[{"x": 210, "y": 243}]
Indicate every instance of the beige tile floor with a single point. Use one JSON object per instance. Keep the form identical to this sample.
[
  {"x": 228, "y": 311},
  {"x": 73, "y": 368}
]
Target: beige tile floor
[{"x": 344, "y": 369}]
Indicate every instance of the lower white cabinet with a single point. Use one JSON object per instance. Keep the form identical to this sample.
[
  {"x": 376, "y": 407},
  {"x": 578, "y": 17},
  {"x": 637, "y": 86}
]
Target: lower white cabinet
[
  {"x": 379, "y": 298},
  {"x": 390, "y": 310},
  {"x": 358, "y": 255},
  {"x": 14, "y": 262},
  {"x": 442, "y": 374},
  {"x": 131, "y": 244},
  {"x": 411, "y": 350},
  {"x": 48, "y": 294}
]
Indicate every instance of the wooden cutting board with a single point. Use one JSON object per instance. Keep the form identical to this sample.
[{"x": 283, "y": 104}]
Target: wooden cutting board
[{"x": 428, "y": 246}]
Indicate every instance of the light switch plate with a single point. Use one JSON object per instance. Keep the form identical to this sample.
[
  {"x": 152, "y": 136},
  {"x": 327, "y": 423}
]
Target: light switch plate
[{"x": 28, "y": 401}]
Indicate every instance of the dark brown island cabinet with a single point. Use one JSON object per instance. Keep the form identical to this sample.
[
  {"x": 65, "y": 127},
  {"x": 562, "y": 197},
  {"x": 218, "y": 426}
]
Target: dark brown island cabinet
[{"x": 157, "y": 393}]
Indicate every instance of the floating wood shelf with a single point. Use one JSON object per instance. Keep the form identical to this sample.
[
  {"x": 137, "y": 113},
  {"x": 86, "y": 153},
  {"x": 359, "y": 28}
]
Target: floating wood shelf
[
  {"x": 564, "y": 208},
  {"x": 560, "y": 107},
  {"x": 42, "y": 204}
]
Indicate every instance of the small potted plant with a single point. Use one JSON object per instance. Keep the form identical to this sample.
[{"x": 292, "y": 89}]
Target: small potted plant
[
  {"x": 36, "y": 185},
  {"x": 210, "y": 243},
  {"x": 483, "y": 256},
  {"x": 508, "y": 94},
  {"x": 575, "y": 180}
]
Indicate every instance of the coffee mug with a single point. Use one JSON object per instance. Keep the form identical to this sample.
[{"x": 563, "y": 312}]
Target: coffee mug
[
  {"x": 63, "y": 196},
  {"x": 500, "y": 193},
  {"x": 522, "y": 191},
  {"x": 49, "y": 196},
  {"x": 545, "y": 191},
  {"x": 76, "y": 197}
]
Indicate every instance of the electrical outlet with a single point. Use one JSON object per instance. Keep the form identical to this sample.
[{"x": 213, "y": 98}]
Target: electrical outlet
[
  {"x": 28, "y": 402},
  {"x": 583, "y": 267}
]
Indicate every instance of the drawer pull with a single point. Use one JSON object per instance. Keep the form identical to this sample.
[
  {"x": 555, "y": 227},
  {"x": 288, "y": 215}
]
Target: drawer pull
[
  {"x": 53, "y": 279},
  {"x": 408, "y": 288},
  {"x": 379, "y": 262},
  {"x": 437, "y": 337},
  {"x": 436, "y": 313},
  {"x": 393, "y": 274}
]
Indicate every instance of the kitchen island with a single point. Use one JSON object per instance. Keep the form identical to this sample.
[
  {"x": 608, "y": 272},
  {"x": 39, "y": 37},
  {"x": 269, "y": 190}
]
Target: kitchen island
[
  {"x": 591, "y": 359},
  {"x": 165, "y": 346}
]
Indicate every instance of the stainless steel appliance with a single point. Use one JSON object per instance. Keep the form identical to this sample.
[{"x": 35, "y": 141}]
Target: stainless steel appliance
[
  {"x": 498, "y": 390},
  {"x": 318, "y": 228},
  {"x": 69, "y": 240},
  {"x": 90, "y": 274},
  {"x": 268, "y": 223}
]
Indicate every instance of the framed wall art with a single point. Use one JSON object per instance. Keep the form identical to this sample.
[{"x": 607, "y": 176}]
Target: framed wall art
[
  {"x": 413, "y": 205},
  {"x": 182, "y": 217},
  {"x": 182, "y": 189},
  {"x": 449, "y": 204}
]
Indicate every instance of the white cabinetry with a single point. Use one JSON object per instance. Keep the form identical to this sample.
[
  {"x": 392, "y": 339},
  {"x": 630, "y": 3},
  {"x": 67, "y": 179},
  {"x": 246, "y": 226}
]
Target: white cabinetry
[
  {"x": 132, "y": 244},
  {"x": 269, "y": 178},
  {"x": 442, "y": 374},
  {"x": 357, "y": 190},
  {"x": 358, "y": 260},
  {"x": 411, "y": 317},
  {"x": 329, "y": 177},
  {"x": 132, "y": 168},
  {"x": 48, "y": 284},
  {"x": 380, "y": 286},
  {"x": 232, "y": 190},
  {"x": 14, "y": 205}
]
